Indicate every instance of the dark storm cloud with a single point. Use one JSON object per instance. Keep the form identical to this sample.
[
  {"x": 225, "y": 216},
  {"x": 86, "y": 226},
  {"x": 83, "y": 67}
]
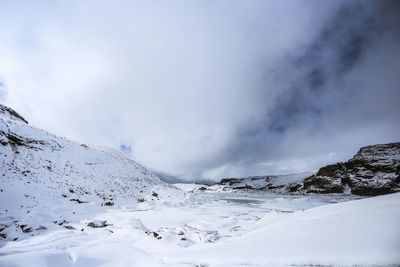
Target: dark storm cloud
[
  {"x": 341, "y": 45},
  {"x": 319, "y": 90}
]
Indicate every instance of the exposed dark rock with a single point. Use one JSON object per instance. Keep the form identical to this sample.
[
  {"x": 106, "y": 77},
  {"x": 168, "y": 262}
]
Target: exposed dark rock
[
  {"x": 15, "y": 141},
  {"x": 229, "y": 181},
  {"x": 78, "y": 200},
  {"x": 61, "y": 222},
  {"x": 293, "y": 187},
  {"x": 322, "y": 184},
  {"x": 374, "y": 170},
  {"x": 25, "y": 229},
  {"x": 272, "y": 187},
  {"x": 154, "y": 234},
  {"x": 100, "y": 224},
  {"x": 109, "y": 203},
  {"x": 248, "y": 187}
]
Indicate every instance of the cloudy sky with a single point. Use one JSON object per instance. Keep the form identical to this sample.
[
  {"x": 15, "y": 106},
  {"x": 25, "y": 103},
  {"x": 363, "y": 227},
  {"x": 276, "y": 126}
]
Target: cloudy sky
[{"x": 208, "y": 89}]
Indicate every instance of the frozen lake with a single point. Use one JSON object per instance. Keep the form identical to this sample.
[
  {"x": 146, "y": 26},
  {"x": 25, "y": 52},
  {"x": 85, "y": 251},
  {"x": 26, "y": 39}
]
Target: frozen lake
[{"x": 223, "y": 229}]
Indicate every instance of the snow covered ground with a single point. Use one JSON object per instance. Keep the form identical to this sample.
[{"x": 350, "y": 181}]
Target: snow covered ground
[{"x": 225, "y": 229}]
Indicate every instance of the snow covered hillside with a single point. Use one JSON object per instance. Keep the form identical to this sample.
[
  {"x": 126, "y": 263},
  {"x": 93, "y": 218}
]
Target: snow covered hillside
[{"x": 47, "y": 181}]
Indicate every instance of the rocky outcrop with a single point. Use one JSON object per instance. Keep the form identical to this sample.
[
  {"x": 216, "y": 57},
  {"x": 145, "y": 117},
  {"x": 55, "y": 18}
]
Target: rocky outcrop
[
  {"x": 8, "y": 112},
  {"x": 270, "y": 183},
  {"x": 374, "y": 170}
]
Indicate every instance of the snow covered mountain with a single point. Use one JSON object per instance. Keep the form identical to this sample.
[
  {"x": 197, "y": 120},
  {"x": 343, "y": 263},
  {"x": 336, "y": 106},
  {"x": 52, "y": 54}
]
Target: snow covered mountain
[{"x": 47, "y": 180}]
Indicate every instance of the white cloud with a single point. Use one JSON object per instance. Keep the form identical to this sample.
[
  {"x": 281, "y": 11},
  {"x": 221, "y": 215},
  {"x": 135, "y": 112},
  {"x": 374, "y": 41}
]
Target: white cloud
[{"x": 175, "y": 80}]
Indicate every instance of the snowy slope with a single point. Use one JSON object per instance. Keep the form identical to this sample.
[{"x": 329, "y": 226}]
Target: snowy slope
[
  {"x": 46, "y": 178},
  {"x": 363, "y": 232}
]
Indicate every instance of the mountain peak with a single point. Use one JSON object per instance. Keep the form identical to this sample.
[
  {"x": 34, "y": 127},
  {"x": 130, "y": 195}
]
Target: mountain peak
[{"x": 12, "y": 114}]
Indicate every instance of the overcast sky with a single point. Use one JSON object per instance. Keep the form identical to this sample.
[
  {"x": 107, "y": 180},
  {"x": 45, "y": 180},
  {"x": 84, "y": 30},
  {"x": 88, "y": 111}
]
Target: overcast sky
[{"x": 208, "y": 89}]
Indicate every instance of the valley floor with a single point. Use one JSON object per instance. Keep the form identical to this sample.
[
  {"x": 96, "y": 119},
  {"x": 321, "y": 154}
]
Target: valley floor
[{"x": 226, "y": 229}]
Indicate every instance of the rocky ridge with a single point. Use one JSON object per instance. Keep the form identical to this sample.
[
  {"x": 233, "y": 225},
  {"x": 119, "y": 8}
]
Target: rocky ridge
[
  {"x": 374, "y": 170},
  {"x": 270, "y": 183}
]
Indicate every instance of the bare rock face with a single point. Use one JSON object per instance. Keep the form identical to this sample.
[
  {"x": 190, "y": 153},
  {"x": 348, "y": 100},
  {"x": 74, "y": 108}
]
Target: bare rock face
[{"x": 374, "y": 170}]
